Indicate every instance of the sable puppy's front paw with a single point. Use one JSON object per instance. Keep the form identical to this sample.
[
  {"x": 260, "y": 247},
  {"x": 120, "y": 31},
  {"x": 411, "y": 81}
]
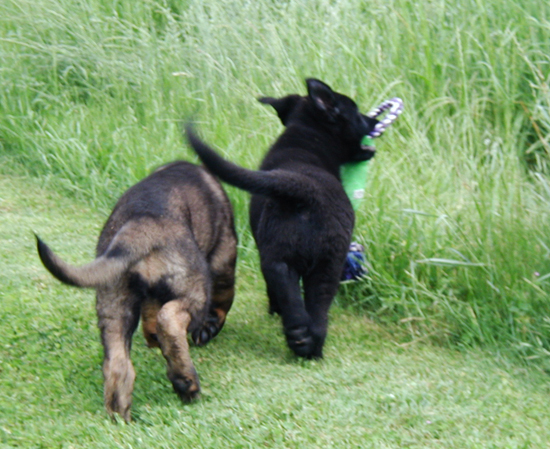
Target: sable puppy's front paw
[{"x": 186, "y": 387}]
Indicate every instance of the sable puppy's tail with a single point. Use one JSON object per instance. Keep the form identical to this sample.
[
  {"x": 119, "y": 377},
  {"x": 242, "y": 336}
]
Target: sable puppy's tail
[
  {"x": 129, "y": 245},
  {"x": 278, "y": 183},
  {"x": 101, "y": 271}
]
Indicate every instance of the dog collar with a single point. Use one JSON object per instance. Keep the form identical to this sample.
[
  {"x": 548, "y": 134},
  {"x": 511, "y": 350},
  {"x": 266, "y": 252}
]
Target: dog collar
[{"x": 354, "y": 174}]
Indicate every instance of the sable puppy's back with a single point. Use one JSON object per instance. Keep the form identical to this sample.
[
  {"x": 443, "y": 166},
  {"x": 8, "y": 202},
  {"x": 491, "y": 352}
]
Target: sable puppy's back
[
  {"x": 170, "y": 193},
  {"x": 154, "y": 213}
]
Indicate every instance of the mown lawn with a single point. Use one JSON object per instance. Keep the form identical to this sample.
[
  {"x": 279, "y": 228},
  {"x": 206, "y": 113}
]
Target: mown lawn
[
  {"x": 369, "y": 391},
  {"x": 457, "y": 206},
  {"x": 445, "y": 344}
]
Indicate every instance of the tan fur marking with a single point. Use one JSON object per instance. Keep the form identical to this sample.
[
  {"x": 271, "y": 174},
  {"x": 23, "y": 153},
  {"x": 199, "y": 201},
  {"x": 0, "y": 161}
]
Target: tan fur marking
[
  {"x": 173, "y": 321},
  {"x": 222, "y": 264},
  {"x": 213, "y": 185},
  {"x": 149, "y": 312}
]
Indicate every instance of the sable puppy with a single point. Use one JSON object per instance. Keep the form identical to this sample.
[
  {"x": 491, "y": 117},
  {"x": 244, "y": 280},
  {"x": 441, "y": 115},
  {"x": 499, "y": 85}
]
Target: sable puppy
[
  {"x": 300, "y": 216},
  {"x": 167, "y": 253}
]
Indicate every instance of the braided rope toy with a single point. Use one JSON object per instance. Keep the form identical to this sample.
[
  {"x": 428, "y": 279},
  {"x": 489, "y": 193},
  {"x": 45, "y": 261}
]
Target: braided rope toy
[
  {"x": 394, "y": 108},
  {"x": 354, "y": 178}
]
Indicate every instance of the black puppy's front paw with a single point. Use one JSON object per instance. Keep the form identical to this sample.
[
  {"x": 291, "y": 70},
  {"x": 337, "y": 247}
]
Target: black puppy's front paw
[
  {"x": 303, "y": 343},
  {"x": 209, "y": 329}
]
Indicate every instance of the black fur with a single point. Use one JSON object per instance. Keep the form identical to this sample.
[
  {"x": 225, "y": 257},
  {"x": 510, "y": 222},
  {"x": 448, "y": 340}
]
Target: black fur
[{"x": 300, "y": 216}]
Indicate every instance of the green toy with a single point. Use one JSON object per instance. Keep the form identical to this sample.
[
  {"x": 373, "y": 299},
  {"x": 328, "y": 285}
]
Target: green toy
[
  {"x": 354, "y": 177},
  {"x": 354, "y": 174}
]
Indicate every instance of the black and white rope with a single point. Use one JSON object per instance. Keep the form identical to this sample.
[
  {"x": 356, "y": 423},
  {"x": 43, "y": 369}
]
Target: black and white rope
[{"x": 394, "y": 107}]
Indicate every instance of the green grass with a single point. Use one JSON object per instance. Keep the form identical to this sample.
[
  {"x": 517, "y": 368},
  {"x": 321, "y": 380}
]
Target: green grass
[
  {"x": 370, "y": 391},
  {"x": 455, "y": 221},
  {"x": 457, "y": 211}
]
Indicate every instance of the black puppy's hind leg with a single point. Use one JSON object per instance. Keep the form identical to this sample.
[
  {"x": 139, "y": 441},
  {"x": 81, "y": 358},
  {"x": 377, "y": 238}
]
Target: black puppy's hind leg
[
  {"x": 283, "y": 289},
  {"x": 319, "y": 291},
  {"x": 118, "y": 317}
]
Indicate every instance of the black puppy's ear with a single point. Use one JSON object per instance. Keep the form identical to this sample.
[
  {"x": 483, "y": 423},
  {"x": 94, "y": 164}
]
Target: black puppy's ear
[
  {"x": 283, "y": 106},
  {"x": 322, "y": 96}
]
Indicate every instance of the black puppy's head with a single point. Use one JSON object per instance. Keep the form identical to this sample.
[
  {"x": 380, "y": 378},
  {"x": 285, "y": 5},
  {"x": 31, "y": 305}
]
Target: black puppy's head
[{"x": 334, "y": 112}]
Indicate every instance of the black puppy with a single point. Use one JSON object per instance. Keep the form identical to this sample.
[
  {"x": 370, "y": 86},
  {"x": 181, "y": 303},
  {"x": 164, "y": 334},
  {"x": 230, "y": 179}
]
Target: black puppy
[{"x": 300, "y": 216}]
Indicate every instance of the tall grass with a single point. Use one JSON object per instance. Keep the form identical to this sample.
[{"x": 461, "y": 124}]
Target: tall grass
[{"x": 457, "y": 212}]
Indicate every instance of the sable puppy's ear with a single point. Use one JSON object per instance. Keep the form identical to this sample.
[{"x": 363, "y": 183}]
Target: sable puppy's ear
[
  {"x": 322, "y": 96},
  {"x": 283, "y": 106}
]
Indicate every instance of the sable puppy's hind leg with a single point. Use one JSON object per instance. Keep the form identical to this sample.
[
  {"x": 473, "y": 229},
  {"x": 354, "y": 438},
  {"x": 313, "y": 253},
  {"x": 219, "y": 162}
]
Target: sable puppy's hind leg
[
  {"x": 223, "y": 292},
  {"x": 173, "y": 321},
  {"x": 118, "y": 316},
  {"x": 222, "y": 267}
]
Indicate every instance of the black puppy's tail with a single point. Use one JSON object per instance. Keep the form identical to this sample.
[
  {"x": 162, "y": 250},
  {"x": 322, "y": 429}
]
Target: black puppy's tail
[
  {"x": 277, "y": 182},
  {"x": 130, "y": 244}
]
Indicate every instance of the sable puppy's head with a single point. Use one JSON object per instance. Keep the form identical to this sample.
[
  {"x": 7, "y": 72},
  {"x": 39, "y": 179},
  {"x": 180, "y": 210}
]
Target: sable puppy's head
[{"x": 334, "y": 112}]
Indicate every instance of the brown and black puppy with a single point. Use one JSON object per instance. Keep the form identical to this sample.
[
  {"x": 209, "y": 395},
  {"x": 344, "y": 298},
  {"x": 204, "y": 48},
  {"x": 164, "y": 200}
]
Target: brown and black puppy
[
  {"x": 300, "y": 216},
  {"x": 167, "y": 253}
]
